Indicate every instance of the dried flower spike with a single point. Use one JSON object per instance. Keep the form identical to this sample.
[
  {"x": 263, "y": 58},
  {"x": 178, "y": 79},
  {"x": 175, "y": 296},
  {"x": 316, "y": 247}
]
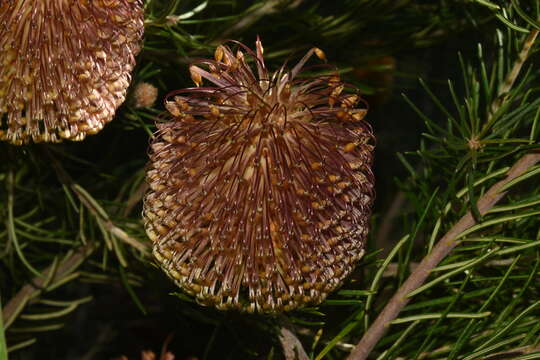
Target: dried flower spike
[
  {"x": 261, "y": 185},
  {"x": 64, "y": 65}
]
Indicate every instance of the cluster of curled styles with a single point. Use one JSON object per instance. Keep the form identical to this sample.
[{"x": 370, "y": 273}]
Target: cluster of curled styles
[
  {"x": 260, "y": 185},
  {"x": 64, "y": 65}
]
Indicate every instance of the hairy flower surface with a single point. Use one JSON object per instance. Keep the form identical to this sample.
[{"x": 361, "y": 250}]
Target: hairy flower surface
[
  {"x": 64, "y": 65},
  {"x": 145, "y": 95},
  {"x": 261, "y": 185}
]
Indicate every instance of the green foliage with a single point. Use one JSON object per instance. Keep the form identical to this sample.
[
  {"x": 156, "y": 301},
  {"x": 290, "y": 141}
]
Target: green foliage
[{"x": 72, "y": 243}]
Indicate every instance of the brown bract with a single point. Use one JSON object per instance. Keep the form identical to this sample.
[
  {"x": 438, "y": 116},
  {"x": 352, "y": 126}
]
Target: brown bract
[
  {"x": 261, "y": 185},
  {"x": 64, "y": 65}
]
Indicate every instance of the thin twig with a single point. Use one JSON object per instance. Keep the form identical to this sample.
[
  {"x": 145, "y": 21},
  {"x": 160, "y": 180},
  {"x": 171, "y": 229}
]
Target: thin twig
[
  {"x": 506, "y": 86},
  {"x": 98, "y": 213},
  {"x": 34, "y": 288},
  {"x": 439, "y": 252},
  {"x": 448, "y": 241},
  {"x": 292, "y": 347}
]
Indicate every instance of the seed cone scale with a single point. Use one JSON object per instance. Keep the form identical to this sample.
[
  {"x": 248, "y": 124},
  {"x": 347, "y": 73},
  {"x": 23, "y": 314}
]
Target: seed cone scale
[
  {"x": 260, "y": 185},
  {"x": 64, "y": 65}
]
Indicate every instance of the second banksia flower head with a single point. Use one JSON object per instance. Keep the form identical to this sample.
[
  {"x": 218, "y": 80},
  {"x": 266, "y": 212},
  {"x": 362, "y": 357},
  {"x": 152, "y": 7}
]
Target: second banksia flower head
[
  {"x": 260, "y": 185},
  {"x": 64, "y": 65}
]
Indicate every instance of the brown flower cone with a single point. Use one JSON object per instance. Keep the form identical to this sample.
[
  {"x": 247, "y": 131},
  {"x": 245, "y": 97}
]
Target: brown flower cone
[
  {"x": 64, "y": 65},
  {"x": 261, "y": 186}
]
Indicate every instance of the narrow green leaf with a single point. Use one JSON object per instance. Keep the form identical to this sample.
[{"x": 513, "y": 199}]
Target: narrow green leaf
[
  {"x": 510, "y": 24},
  {"x": 334, "y": 302},
  {"x": 519, "y": 248},
  {"x": 62, "y": 303},
  {"x": 486, "y": 87},
  {"x": 90, "y": 201},
  {"x": 458, "y": 105},
  {"x": 427, "y": 121},
  {"x": 344, "y": 332},
  {"x": 504, "y": 330},
  {"x": 70, "y": 198},
  {"x": 472, "y": 198},
  {"x": 33, "y": 329},
  {"x": 118, "y": 250},
  {"x": 482, "y": 180},
  {"x": 193, "y": 12},
  {"x": 210, "y": 20},
  {"x": 466, "y": 79},
  {"x": 63, "y": 281},
  {"x": 50, "y": 315},
  {"x": 105, "y": 233},
  {"x": 478, "y": 354},
  {"x": 495, "y": 239},
  {"x": 533, "y": 171},
  {"x": 356, "y": 293},
  {"x": 414, "y": 233},
  {"x": 533, "y": 136},
  {"x": 398, "y": 342},
  {"x": 489, "y": 4},
  {"x": 3, "y": 344},
  {"x": 447, "y": 299},
  {"x": 10, "y": 224},
  {"x": 436, "y": 316},
  {"x": 534, "y": 355},
  {"x": 519, "y": 297},
  {"x": 442, "y": 108},
  {"x": 434, "y": 234},
  {"x": 468, "y": 265},
  {"x": 496, "y": 221},
  {"x": 531, "y": 334},
  {"x": 524, "y": 16},
  {"x": 130, "y": 290},
  {"x": 21, "y": 345},
  {"x": 382, "y": 268}
]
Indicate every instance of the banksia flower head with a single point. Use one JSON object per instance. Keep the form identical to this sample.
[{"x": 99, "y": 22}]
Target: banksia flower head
[
  {"x": 64, "y": 65},
  {"x": 261, "y": 185}
]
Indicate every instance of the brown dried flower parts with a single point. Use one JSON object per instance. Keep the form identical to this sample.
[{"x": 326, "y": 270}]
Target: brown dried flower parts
[
  {"x": 261, "y": 185},
  {"x": 145, "y": 95},
  {"x": 64, "y": 65}
]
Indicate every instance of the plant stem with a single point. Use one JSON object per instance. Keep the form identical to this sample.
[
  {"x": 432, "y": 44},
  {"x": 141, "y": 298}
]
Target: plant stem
[
  {"x": 37, "y": 285},
  {"x": 95, "y": 209},
  {"x": 292, "y": 347},
  {"x": 439, "y": 252},
  {"x": 506, "y": 86}
]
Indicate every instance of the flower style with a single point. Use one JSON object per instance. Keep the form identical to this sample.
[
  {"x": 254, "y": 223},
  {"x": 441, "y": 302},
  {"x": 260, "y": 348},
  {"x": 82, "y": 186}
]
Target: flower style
[
  {"x": 64, "y": 65},
  {"x": 261, "y": 185}
]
